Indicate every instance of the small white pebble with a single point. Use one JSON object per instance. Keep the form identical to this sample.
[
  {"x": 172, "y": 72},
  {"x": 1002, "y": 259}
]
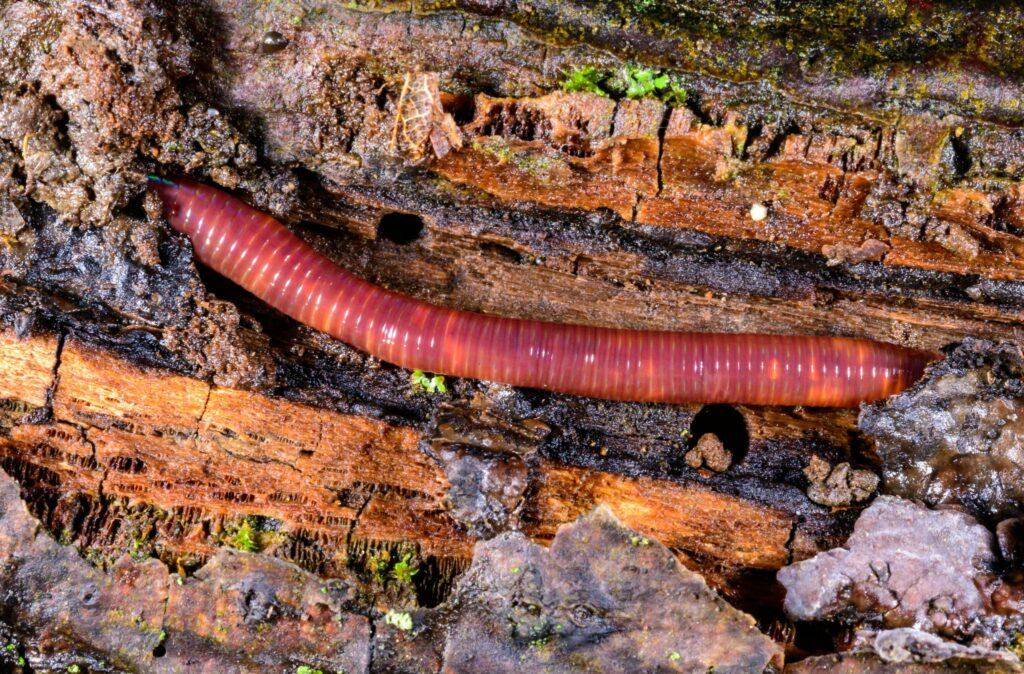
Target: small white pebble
[{"x": 758, "y": 212}]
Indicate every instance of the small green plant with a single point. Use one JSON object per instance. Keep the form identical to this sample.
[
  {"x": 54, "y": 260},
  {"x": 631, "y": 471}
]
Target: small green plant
[
  {"x": 639, "y": 541},
  {"x": 632, "y": 81},
  {"x": 74, "y": 669},
  {"x": 404, "y": 570},
  {"x": 587, "y": 78},
  {"x": 674, "y": 656},
  {"x": 674, "y": 95},
  {"x": 643, "y": 82},
  {"x": 377, "y": 565},
  {"x": 399, "y": 620},
  {"x": 139, "y": 547},
  {"x": 428, "y": 384},
  {"x": 306, "y": 669},
  {"x": 10, "y": 648},
  {"x": 244, "y": 537}
]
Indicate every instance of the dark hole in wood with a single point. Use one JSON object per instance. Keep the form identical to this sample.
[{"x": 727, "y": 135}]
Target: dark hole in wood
[
  {"x": 400, "y": 228},
  {"x": 501, "y": 252},
  {"x": 461, "y": 108},
  {"x": 726, "y": 422}
]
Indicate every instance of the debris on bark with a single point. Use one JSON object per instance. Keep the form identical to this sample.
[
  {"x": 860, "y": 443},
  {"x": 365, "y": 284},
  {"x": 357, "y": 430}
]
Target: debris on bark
[
  {"x": 955, "y": 438},
  {"x": 838, "y": 485},
  {"x": 709, "y": 451},
  {"x": 871, "y": 250}
]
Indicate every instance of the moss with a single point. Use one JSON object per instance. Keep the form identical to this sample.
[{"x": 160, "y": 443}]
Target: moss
[
  {"x": 495, "y": 147},
  {"x": 242, "y": 537},
  {"x": 424, "y": 383},
  {"x": 632, "y": 81},
  {"x": 66, "y": 537},
  {"x": 252, "y": 533},
  {"x": 404, "y": 570},
  {"x": 586, "y": 78}
]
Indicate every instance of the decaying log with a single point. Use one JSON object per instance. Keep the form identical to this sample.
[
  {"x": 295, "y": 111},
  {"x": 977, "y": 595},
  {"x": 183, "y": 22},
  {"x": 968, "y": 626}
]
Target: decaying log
[{"x": 844, "y": 170}]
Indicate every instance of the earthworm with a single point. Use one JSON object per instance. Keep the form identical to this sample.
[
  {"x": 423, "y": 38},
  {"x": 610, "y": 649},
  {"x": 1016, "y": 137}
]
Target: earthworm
[{"x": 263, "y": 256}]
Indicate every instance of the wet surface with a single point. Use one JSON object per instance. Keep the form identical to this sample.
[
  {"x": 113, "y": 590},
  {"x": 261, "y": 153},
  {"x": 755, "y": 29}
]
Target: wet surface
[
  {"x": 599, "y": 597},
  {"x": 907, "y": 566},
  {"x": 908, "y": 651},
  {"x": 955, "y": 438}
]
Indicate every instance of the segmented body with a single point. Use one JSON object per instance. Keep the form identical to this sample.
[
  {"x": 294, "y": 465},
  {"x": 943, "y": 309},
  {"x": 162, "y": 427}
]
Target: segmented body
[{"x": 263, "y": 256}]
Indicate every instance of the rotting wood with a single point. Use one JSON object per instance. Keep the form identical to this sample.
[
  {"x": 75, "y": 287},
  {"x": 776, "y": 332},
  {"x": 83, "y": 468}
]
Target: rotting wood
[
  {"x": 696, "y": 521},
  {"x": 177, "y": 443},
  {"x": 891, "y": 184}
]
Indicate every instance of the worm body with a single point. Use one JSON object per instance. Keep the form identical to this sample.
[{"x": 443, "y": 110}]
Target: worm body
[{"x": 264, "y": 257}]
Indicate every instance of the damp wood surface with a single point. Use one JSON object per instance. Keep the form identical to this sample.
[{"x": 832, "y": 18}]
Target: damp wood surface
[{"x": 181, "y": 445}]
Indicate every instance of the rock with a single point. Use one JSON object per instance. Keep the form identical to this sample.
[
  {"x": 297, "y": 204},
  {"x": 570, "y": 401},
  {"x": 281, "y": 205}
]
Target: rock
[
  {"x": 601, "y": 597},
  {"x": 487, "y": 488},
  {"x": 264, "y": 614},
  {"x": 957, "y": 437},
  {"x": 905, "y": 566}
]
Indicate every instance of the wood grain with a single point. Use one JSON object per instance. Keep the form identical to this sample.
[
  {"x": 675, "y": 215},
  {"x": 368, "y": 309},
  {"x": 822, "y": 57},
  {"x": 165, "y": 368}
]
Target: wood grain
[{"x": 181, "y": 445}]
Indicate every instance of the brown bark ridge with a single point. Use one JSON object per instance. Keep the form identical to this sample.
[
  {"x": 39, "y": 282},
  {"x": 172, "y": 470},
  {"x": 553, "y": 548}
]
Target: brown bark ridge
[{"x": 630, "y": 164}]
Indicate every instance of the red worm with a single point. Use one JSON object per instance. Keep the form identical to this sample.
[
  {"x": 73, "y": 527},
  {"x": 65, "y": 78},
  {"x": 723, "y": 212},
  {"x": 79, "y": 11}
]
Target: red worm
[{"x": 264, "y": 257}]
